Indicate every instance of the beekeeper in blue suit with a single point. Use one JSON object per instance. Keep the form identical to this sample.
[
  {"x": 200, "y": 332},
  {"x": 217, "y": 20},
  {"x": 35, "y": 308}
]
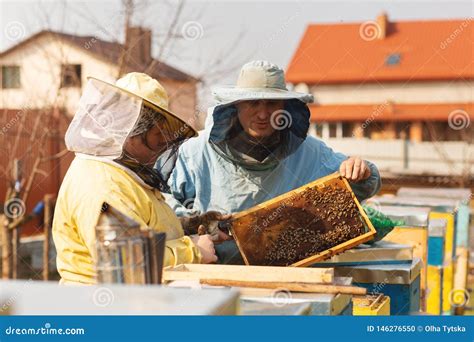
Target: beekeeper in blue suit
[{"x": 255, "y": 146}]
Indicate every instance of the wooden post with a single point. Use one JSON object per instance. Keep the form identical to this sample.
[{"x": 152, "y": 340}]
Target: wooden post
[
  {"x": 16, "y": 232},
  {"x": 7, "y": 265},
  {"x": 48, "y": 218},
  {"x": 15, "y": 243},
  {"x": 416, "y": 131}
]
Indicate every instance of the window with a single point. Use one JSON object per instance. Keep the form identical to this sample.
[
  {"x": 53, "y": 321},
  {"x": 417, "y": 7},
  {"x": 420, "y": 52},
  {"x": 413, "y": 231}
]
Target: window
[
  {"x": 71, "y": 75},
  {"x": 332, "y": 130},
  {"x": 347, "y": 129},
  {"x": 11, "y": 77},
  {"x": 319, "y": 129}
]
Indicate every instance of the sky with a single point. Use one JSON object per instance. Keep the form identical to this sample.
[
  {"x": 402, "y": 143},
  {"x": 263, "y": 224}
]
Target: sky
[{"x": 212, "y": 39}]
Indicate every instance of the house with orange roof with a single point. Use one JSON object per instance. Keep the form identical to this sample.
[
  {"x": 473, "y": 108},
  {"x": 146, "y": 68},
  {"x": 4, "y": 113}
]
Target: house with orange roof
[{"x": 382, "y": 79}]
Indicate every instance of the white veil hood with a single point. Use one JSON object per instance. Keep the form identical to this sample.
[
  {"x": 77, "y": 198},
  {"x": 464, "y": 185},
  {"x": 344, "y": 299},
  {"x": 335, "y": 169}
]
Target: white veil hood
[{"x": 105, "y": 117}]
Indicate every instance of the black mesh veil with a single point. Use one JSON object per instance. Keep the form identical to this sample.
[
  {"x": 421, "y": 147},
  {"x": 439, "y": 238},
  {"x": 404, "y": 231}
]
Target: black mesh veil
[{"x": 173, "y": 132}]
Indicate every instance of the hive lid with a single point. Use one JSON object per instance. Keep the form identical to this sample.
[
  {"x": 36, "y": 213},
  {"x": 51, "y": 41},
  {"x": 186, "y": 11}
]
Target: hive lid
[
  {"x": 381, "y": 252},
  {"x": 463, "y": 194},
  {"x": 412, "y": 216},
  {"x": 443, "y": 204},
  {"x": 383, "y": 274},
  {"x": 437, "y": 227}
]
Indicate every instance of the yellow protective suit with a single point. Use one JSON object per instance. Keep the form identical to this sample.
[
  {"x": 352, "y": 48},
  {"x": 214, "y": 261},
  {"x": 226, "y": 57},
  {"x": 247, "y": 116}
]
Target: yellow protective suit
[{"x": 87, "y": 184}]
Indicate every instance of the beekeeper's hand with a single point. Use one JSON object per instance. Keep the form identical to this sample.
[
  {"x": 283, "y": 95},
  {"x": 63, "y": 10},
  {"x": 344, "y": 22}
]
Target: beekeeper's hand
[
  {"x": 206, "y": 247},
  {"x": 207, "y": 223},
  {"x": 354, "y": 169},
  {"x": 217, "y": 235}
]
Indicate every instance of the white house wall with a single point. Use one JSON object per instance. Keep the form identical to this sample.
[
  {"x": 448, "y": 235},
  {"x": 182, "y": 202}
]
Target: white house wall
[
  {"x": 443, "y": 158},
  {"x": 413, "y": 93},
  {"x": 40, "y": 64}
]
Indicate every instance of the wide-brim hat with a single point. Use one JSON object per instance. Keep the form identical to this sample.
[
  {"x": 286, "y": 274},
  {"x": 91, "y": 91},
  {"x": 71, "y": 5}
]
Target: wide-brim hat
[
  {"x": 258, "y": 80},
  {"x": 153, "y": 94}
]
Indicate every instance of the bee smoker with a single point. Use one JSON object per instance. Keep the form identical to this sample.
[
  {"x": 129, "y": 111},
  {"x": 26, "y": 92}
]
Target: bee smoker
[{"x": 126, "y": 254}]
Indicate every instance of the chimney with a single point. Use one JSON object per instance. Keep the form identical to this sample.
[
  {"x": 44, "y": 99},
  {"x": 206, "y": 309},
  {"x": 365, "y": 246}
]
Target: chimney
[
  {"x": 382, "y": 22},
  {"x": 138, "y": 46}
]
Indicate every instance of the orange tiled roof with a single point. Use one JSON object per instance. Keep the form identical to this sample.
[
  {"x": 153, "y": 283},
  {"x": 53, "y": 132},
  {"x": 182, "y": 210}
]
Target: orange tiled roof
[
  {"x": 390, "y": 112},
  {"x": 349, "y": 53}
]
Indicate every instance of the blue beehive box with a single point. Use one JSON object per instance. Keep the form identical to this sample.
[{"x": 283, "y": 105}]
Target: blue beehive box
[
  {"x": 401, "y": 282},
  {"x": 380, "y": 252},
  {"x": 436, "y": 241}
]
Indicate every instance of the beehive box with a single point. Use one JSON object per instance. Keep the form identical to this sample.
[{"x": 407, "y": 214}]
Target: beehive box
[
  {"x": 434, "y": 295},
  {"x": 448, "y": 263},
  {"x": 306, "y": 225},
  {"x": 435, "y": 270},
  {"x": 401, "y": 282},
  {"x": 417, "y": 237},
  {"x": 248, "y": 273},
  {"x": 414, "y": 232},
  {"x": 462, "y": 195},
  {"x": 371, "y": 305},
  {"x": 460, "y": 280}
]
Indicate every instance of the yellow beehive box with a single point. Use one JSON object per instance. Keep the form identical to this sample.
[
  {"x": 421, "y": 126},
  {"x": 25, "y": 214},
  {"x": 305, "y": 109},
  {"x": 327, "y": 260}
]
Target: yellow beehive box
[
  {"x": 469, "y": 307},
  {"x": 371, "y": 305},
  {"x": 434, "y": 294},
  {"x": 460, "y": 280},
  {"x": 414, "y": 232},
  {"x": 416, "y": 237},
  {"x": 448, "y": 273},
  {"x": 448, "y": 286},
  {"x": 449, "y": 244}
]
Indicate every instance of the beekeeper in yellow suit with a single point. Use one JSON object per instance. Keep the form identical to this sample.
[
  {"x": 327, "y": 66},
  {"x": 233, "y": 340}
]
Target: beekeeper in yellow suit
[{"x": 117, "y": 135}]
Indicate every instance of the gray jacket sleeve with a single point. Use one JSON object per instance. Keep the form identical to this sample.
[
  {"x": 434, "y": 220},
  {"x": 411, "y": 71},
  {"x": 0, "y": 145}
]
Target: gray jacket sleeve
[{"x": 370, "y": 186}]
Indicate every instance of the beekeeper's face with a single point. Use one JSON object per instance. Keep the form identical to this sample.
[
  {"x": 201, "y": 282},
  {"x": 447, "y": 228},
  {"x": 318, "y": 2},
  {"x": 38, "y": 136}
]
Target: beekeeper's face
[
  {"x": 256, "y": 116},
  {"x": 148, "y": 146}
]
